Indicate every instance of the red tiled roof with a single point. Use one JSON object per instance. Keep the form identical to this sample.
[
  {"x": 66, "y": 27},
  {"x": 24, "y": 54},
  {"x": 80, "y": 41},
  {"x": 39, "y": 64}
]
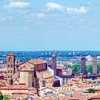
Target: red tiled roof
[
  {"x": 26, "y": 67},
  {"x": 14, "y": 87},
  {"x": 37, "y": 61},
  {"x": 25, "y": 92},
  {"x": 95, "y": 97}
]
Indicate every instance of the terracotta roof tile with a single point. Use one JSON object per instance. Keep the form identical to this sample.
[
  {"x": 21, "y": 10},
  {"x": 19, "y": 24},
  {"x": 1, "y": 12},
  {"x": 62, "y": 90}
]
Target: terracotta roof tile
[{"x": 36, "y": 61}]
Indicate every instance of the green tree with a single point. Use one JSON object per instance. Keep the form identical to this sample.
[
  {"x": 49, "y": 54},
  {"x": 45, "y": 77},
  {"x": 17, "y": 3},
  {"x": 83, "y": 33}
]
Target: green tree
[
  {"x": 98, "y": 67},
  {"x": 89, "y": 68},
  {"x": 1, "y": 96},
  {"x": 91, "y": 90},
  {"x": 76, "y": 68},
  {"x": 5, "y": 97}
]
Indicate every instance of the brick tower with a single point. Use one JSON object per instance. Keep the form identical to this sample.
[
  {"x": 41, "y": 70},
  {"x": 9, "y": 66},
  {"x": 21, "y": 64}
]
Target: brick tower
[{"x": 10, "y": 61}]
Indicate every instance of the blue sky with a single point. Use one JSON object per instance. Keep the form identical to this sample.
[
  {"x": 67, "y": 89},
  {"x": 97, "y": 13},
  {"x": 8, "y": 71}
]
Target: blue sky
[{"x": 49, "y": 25}]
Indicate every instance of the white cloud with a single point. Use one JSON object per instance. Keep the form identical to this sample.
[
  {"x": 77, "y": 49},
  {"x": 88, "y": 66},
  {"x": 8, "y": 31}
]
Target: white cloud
[
  {"x": 67, "y": 10},
  {"x": 50, "y": 9},
  {"x": 18, "y": 4},
  {"x": 53, "y": 5},
  {"x": 74, "y": 10}
]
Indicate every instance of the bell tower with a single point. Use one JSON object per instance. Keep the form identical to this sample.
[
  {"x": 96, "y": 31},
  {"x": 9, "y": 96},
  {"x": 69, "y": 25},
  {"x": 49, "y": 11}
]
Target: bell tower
[
  {"x": 10, "y": 61},
  {"x": 54, "y": 64}
]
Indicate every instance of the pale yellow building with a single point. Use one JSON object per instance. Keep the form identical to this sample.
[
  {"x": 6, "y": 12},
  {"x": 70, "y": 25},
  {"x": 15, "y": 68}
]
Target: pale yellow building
[{"x": 26, "y": 74}]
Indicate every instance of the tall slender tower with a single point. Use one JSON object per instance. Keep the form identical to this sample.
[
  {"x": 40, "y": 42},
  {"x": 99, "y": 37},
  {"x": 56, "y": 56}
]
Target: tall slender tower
[
  {"x": 94, "y": 64},
  {"x": 83, "y": 65},
  {"x": 54, "y": 64},
  {"x": 10, "y": 61}
]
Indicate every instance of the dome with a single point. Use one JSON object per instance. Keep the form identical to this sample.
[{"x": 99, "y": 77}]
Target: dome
[{"x": 89, "y": 58}]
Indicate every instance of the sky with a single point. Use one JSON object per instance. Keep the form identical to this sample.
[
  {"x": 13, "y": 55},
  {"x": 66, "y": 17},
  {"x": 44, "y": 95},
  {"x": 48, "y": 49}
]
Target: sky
[{"x": 32, "y": 25}]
